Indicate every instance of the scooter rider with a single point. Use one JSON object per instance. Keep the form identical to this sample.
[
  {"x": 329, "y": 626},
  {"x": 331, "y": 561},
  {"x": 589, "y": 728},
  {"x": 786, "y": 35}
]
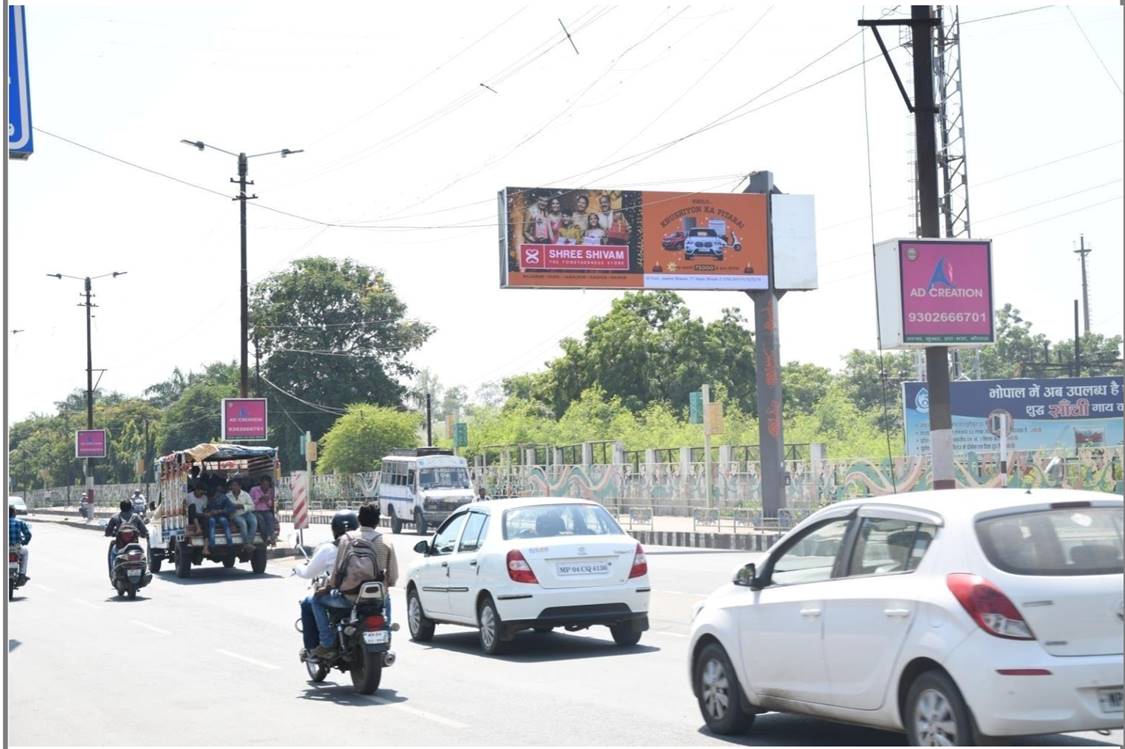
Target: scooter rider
[
  {"x": 19, "y": 535},
  {"x": 125, "y": 516},
  {"x": 323, "y": 561}
]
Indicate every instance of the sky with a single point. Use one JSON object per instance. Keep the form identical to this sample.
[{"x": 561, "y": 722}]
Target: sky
[{"x": 400, "y": 136}]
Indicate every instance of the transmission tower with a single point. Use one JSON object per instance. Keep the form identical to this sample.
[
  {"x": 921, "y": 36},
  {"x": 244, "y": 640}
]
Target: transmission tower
[{"x": 951, "y": 111}]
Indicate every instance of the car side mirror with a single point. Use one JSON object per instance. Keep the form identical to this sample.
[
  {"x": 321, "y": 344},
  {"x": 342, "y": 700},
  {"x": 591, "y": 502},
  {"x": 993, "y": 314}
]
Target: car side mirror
[
  {"x": 422, "y": 547},
  {"x": 747, "y": 576}
]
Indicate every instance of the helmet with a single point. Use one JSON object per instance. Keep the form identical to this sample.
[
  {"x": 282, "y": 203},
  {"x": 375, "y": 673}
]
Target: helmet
[{"x": 344, "y": 521}]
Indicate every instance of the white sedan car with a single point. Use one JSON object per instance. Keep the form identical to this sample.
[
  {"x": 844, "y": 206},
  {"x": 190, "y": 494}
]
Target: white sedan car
[
  {"x": 952, "y": 616},
  {"x": 529, "y": 563}
]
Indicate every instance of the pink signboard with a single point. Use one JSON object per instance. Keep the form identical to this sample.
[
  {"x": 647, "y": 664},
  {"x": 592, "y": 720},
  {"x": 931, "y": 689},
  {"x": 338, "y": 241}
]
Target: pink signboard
[
  {"x": 90, "y": 443},
  {"x": 946, "y": 291},
  {"x": 244, "y": 419}
]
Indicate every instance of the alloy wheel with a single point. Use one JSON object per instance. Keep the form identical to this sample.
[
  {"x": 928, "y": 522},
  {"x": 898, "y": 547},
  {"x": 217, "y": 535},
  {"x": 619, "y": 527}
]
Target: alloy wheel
[
  {"x": 936, "y": 725},
  {"x": 716, "y": 689},
  {"x": 487, "y": 626},
  {"x": 414, "y": 611}
]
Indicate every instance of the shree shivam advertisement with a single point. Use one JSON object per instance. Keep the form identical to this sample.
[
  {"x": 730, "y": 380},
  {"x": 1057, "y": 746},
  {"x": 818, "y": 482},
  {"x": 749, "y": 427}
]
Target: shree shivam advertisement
[
  {"x": 629, "y": 239},
  {"x": 1042, "y": 414}
]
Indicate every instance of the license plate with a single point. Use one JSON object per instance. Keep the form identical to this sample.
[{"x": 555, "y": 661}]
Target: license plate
[
  {"x": 578, "y": 569},
  {"x": 1110, "y": 700},
  {"x": 378, "y": 637},
  {"x": 134, "y": 573}
]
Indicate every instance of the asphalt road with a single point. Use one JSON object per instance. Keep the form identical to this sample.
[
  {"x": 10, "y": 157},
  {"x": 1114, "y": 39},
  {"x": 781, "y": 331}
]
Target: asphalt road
[{"x": 213, "y": 660}]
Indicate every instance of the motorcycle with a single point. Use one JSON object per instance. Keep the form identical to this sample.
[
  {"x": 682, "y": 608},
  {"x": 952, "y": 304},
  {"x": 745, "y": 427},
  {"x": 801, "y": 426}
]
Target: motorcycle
[
  {"x": 15, "y": 579},
  {"x": 130, "y": 565},
  {"x": 363, "y": 640}
]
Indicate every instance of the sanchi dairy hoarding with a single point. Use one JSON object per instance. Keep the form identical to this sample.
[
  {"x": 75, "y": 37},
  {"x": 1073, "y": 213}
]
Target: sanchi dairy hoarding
[
  {"x": 934, "y": 292},
  {"x": 1048, "y": 414},
  {"x": 628, "y": 239}
]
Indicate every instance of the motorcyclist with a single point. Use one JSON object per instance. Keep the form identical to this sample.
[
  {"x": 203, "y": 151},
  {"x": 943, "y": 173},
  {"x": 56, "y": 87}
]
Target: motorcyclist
[
  {"x": 86, "y": 506},
  {"x": 125, "y": 517},
  {"x": 19, "y": 535},
  {"x": 323, "y": 561},
  {"x": 138, "y": 502}
]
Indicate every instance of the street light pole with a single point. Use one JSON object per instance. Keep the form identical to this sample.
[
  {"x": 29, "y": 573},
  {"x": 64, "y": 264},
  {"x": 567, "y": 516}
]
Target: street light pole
[{"x": 244, "y": 285}]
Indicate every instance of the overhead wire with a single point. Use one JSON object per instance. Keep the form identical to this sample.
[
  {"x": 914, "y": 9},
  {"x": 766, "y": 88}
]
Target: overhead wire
[
  {"x": 319, "y": 406},
  {"x": 1094, "y": 49}
]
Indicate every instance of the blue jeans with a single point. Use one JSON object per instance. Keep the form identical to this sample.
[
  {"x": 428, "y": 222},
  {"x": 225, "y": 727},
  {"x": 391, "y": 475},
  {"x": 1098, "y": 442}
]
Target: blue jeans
[
  {"x": 320, "y": 606},
  {"x": 309, "y": 627},
  {"x": 247, "y": 523},
  {"x": 223, "y": 521},
  {"x": 266, "y": 524}
]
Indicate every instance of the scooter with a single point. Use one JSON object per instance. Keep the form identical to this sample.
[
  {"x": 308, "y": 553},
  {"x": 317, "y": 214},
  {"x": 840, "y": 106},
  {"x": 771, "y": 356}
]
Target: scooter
[
  {"x": 130, "y": 565},
  {"x": 15, "y": 579},
  {"x": 363, "y": 640}
]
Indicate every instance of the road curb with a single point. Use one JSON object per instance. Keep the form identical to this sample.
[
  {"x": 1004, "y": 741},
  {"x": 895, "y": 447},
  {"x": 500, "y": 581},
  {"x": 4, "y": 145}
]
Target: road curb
[{"x": 731, "y": 541}]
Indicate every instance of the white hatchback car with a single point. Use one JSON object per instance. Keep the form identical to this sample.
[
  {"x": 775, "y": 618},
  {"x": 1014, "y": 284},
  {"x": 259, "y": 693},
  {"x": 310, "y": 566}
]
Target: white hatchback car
[
  {"x": 529, "y": 563},
  {"x": 952, "y": 616}
]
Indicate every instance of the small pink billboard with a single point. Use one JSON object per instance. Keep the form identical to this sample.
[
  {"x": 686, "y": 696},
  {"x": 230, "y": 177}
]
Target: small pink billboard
[
  {"x": 934, "y": 292},
  {"x": 90, "y": 443},
  {"x": 244, "y": 419}
]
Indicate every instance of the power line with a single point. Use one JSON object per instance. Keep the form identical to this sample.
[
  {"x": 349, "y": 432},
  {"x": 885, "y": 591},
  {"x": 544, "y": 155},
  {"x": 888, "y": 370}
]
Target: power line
[
  {"x": 1058, "y": 216},
  {"x": 1094, "y": 50},
  {"x": 1005, "y": 15},
  {"x": 1051, "y": 200},
  {"x": 319, "y": 406}
]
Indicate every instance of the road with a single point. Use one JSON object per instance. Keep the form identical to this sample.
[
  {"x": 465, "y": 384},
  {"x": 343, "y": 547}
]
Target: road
[{"x": 213, "y": 660}]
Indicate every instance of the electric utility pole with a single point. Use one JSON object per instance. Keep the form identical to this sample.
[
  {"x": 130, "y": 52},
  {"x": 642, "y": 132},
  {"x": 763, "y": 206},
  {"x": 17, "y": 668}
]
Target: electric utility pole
[
  {"x": 922, "y": 23},
  {"x": 1083, "y": 251},
  {"x": 244, "y": 288}
]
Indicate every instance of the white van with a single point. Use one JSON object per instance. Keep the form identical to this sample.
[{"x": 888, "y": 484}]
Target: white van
[{"x": 422, "y": 487}]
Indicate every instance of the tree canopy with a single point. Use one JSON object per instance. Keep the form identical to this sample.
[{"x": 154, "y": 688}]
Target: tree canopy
[{"x": 360, "y": 438}]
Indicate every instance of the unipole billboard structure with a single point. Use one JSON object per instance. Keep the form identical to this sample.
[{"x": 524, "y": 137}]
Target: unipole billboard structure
[{"x": 759, "y": 241}]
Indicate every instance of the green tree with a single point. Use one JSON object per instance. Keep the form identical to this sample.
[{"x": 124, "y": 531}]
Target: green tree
[
  {"x": 195, "y": 416},
  {"x": 332, "y": 332},
  {"x": 1016, "y": 346},
  {"x": 862, "y": 383},
  {"x": 804, "y": 386},
  {"x": 360, "y": 438}
]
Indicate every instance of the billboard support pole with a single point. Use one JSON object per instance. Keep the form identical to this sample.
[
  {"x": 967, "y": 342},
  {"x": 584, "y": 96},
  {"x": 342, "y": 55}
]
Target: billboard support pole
[
  {"x": 929, "y": 214},
  {"x": 767, "y": 371},
  {"x": 707, "y": 444}
]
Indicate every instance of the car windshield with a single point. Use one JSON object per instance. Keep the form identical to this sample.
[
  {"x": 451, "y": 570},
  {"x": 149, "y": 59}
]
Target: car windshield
[
  {"x": 443, "y": 478},
  {"x": 545, "y": 521},
  {"x": 1077, "y": 540}
]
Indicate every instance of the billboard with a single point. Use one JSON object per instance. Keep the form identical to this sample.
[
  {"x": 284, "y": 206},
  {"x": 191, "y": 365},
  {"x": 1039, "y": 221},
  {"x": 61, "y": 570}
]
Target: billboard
[
  {"x": 244, "y": 419},
  {"x": 1064, "y": 413},
  {"x": 629, "y": 239},
  {"x": 20, "y": 140},
  {"x": 934, "y": 292},
  {"x": 90, "y": 443}
]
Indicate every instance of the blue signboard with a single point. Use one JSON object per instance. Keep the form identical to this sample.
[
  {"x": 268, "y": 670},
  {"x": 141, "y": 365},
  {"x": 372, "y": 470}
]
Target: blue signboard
[
  {"x": 1067, "y": 413},
  {"x": 20, "y": 143}
]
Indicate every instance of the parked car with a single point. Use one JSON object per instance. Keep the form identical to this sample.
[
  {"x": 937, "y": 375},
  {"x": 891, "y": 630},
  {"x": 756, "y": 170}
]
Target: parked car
[
  {"x": 954, "y": 617},
  {"x": 703, "y": 242},
  {"x": 529, "y": 563},
  {"x": 19, "y": 504},
  {"x": 673, "y": 241}
]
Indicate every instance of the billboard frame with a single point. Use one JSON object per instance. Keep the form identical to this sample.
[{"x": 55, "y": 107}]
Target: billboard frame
[
  {"x": 105, "y": 444},
  {"x": 265, "y": 420}
]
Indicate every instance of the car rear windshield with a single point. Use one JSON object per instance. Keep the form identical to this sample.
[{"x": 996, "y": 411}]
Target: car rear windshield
[
  {"x": 1059, "y": 541},
  {"x": 548, "y": 521}
]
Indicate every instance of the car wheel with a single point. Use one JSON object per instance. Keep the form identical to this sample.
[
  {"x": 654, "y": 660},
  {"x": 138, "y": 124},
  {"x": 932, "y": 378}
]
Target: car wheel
[
  {"x": 491, "y": 628},
  {"x": 421, "y": 626},
  {"x": 719, "y": 693},
  {"x": 420, "y": 523},
  {"x": 625, "y": 634},
  {"x": 228, "y": 562},
  {"x": 935, "y": 713},
  {"x": 396, "y": 523}
]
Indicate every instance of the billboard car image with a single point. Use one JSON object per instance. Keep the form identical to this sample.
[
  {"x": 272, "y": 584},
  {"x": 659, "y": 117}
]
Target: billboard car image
[{"x": 621, "y": 239}]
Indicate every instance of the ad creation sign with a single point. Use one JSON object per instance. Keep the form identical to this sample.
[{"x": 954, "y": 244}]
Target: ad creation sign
[
  {"x": 244, "y": 419},
  {"x": 627, "y": 239},
  {"x": 90, "y": 443},
  {"x": 1065, "y": 413},
  {"x": 934, "y": 292}
]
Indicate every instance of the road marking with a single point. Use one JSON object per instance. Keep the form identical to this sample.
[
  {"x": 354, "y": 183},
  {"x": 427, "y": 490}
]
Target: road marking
[
  {"x": 87, "y": 603},
  {"x": 157, "y": 630},
  {"x": 44, "y": 587},
  {"x": 256, "y": 662},
  {"x": 420, "y": 713}
]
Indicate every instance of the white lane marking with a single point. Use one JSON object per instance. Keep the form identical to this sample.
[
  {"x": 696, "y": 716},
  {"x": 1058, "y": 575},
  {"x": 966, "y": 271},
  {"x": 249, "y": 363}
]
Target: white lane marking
[
  {"x": 87, "y": 603},
  {"x": 420, "y": 713},
  {"x": 157, "y": 630},
  {"x": 256, "y": 662},
  {"x": 44, "y": 587}
]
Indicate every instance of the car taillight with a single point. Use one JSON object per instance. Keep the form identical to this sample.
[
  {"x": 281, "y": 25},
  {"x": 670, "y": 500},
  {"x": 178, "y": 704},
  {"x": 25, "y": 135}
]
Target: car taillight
[
  {"x": 518, "y": 568},
  {"x": 13, "y": 556},
  {"x": 640, "y": 564},
  {"x": 989, "y": 608},
  {"x": 374, "y": 622}
]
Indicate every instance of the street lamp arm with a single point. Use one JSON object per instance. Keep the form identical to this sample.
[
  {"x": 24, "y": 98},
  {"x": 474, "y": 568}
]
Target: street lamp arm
[
  {"x": 114, "y": 274},
  {"x": 201, "y": 145},
  {"x": 284, "y": 152}
]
